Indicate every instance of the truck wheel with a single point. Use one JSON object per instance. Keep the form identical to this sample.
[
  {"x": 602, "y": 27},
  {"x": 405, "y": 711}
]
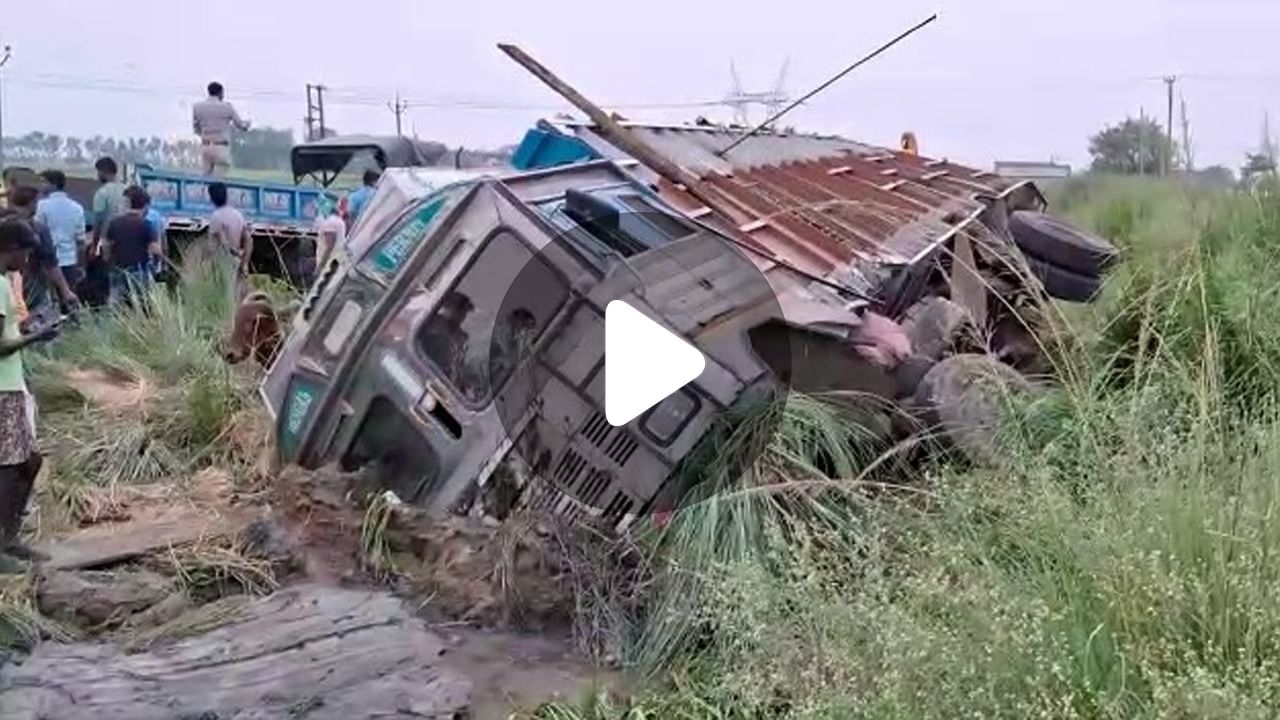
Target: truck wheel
[
  {"x": 963, "y": 398},
  {"x": 1064, "y": 284},
  {"x": 1054, "y": 241}
]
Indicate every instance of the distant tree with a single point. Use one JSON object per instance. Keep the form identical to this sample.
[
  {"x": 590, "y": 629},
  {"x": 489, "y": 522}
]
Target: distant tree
[
  {"x": 262, "y": 149},
  {"x": 1257, "y": 163},
  {"x": 1131, "y": 147},
  {"x": 93, "y": 147},
  {"x": 1217, "y": 177},
  {"x": 73, "y": 152},
  {"x": 1260, "y": 164}
]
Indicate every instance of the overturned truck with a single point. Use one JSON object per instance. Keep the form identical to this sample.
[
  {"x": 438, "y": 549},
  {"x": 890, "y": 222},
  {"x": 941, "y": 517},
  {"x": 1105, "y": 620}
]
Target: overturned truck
[{"x": 788, "y": 266}]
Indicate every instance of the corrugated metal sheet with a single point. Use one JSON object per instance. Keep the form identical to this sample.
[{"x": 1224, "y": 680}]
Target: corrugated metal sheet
[{"x": 820, "y": 203}]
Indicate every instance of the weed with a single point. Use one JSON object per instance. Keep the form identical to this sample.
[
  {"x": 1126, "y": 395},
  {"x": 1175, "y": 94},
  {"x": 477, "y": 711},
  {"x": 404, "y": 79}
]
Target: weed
[
  {"x": 22, "y": 626},
  {"x": 219, "y": 568},
  {"x": 375, "y": 550},
  {"x": 189, "y": 624}
]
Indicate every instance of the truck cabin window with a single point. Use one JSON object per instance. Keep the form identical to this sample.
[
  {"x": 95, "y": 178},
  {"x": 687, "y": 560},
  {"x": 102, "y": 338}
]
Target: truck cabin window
[
  {"x": 626, "y": 224},
  {"x": 499, "y": 307}
]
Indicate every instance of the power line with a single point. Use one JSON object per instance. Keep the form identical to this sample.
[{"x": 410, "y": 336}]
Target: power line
[{"x": 335, "y": 95}]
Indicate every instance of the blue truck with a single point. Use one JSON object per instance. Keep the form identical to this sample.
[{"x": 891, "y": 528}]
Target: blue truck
[
  {"x": 282, "y": 217},
  {"x": 184, "y": 199}
]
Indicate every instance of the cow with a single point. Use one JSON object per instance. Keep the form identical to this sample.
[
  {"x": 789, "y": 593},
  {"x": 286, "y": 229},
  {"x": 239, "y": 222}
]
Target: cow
[{"x": 257, "y": 329}]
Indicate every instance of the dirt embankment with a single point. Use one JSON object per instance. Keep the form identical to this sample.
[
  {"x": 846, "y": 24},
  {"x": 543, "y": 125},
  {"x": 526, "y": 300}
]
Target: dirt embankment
[{"x": 218, "y": 602}]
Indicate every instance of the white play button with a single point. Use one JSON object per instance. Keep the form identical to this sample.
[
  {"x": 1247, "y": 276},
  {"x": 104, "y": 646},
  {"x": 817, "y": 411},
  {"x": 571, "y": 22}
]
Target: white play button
[{"x": 643, "y": 363}]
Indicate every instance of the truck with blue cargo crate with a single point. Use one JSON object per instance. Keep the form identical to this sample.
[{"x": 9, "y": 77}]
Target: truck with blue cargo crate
[{"x": 282, "y": 217}]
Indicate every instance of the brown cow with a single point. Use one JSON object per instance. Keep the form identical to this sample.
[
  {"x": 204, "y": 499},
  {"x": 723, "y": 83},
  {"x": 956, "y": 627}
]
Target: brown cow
[{"x": 257, "y": 330}]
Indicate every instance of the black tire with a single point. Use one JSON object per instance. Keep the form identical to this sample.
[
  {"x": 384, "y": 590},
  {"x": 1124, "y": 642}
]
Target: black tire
[
  {"x": 1064, "y": 284},
  {"x": 1058, "y": 243},
  {"x": 909, "y": 373},
  {"x": 963, "y": 397}
]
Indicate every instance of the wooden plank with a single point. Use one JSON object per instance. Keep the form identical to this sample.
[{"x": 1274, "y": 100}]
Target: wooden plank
[
  {"x": 968, "y": 289},
  {"x": 112, "y": 544},
  {"x": 309, "y": 651}
]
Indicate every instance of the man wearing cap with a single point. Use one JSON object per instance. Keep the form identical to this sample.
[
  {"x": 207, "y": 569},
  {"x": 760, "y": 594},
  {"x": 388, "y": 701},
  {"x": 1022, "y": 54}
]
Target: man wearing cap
[{"x": 213, "y": 119}]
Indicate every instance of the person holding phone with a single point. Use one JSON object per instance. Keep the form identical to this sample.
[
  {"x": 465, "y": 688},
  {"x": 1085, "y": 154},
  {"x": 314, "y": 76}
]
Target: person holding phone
[{"x": 20, "y": 462}]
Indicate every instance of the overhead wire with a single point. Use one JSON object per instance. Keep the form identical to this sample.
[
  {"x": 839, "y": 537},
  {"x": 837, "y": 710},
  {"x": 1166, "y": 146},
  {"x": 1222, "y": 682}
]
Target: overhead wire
[{"x": 335, "y": 95}]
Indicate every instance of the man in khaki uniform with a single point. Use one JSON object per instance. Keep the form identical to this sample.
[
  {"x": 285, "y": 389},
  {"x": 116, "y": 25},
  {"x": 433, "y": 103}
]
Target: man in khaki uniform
[{"x": 213, "y": 119}]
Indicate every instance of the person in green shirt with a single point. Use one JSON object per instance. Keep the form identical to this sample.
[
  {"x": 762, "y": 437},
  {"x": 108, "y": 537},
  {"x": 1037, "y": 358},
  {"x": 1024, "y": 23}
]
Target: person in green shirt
[
  {"x": 108, "y": 202},
  {"x": 19, "y": 461}
]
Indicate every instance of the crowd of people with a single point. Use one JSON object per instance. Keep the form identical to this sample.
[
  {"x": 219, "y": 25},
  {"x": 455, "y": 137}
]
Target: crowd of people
[
  {"x": 108, "y": 253},
  {"x": 56, "y": 259}
]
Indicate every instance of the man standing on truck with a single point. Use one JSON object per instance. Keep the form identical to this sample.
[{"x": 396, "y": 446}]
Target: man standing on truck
[
  {"x": 232, "y": 243},
  {"x": 213, "y": 119}
]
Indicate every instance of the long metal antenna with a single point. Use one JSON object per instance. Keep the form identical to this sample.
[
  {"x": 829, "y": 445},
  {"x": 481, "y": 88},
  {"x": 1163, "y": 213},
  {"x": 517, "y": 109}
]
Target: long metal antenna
[
  {"x": 865, "y": 59},
  {"x": 7, "y": 52}
]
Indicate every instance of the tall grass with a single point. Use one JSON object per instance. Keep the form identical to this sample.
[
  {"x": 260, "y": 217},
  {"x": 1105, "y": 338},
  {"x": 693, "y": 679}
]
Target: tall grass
[
  {"x": 183, "y": 407},
  {"x": 1119, "y": 561},
  {"x": 164, "y": 350}
]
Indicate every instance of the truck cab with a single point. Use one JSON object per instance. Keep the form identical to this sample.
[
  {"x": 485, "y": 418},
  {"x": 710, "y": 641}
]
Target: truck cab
[{"x": 399, "y": 359}]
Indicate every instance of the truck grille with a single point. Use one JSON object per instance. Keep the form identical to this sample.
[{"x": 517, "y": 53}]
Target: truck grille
[
  {"x": 577, "y": 486},
  {"x": 618, "y": 445}
]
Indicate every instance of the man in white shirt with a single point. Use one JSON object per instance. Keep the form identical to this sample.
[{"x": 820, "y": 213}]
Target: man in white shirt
[
  {"x": 213, "y": 119},
  {"x": 330, "y": 230},
  {"x": 232, "y": 242}
]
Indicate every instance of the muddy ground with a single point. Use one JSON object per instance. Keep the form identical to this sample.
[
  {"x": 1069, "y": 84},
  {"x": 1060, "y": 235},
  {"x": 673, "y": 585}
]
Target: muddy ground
[{"x": 295, "y": 597}]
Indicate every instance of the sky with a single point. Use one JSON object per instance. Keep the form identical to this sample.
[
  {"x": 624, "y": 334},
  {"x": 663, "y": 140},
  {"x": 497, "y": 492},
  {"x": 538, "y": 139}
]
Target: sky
[{"x": 990, "y": 79}]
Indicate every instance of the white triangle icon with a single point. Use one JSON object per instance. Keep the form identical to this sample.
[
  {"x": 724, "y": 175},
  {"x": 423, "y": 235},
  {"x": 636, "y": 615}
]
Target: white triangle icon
[{"x": 643, "y": 363}]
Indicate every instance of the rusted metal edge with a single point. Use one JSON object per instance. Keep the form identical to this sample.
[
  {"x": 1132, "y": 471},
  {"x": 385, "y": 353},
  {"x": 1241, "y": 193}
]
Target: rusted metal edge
[
  {"x": 626, "y": 141},
  {"x": 969, "y": 220}
]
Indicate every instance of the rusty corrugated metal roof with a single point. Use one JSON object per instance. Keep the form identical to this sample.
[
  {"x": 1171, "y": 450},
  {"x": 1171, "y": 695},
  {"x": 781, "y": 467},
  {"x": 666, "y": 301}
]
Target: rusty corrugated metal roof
[{"x": 821, "y": 203}]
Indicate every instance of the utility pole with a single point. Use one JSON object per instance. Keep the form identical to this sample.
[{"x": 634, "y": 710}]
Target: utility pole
[
  {"x": 315, "y": 112},
  {"x": 398, "y": 108},
  {"x": 1142, "y": 141},
  {"x": 1167, "y": 165},
  {"x": 1188, "y": 156},
  {"x": 5, "y": 54}
]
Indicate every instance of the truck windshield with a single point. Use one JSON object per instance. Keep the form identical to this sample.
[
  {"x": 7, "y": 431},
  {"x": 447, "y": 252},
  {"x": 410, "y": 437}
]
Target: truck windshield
[{"x": 476, "y": 318}]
